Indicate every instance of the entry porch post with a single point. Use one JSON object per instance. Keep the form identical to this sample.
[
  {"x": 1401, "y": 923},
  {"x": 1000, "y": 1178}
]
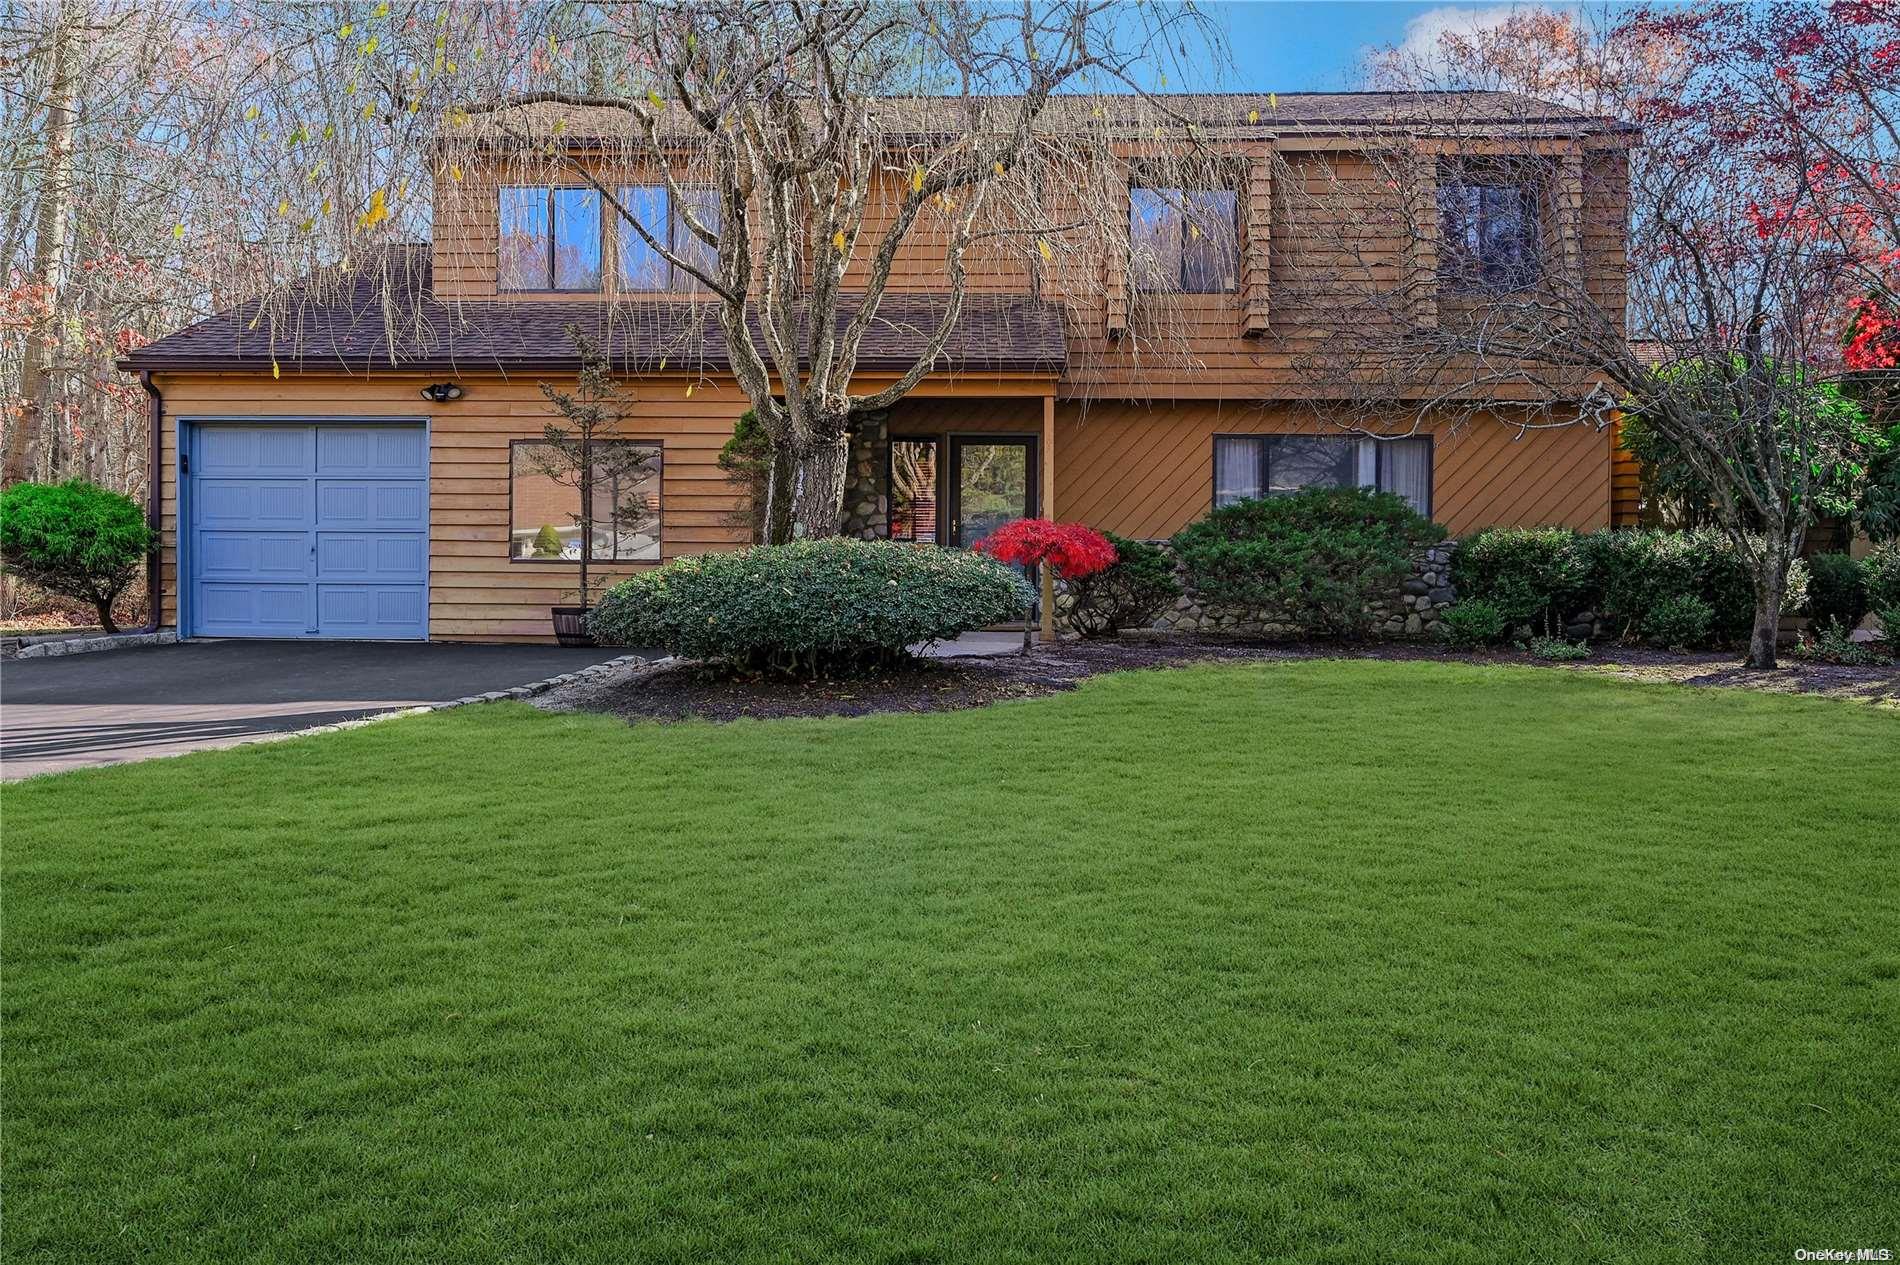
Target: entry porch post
[{"x": 1048, "y": 512}]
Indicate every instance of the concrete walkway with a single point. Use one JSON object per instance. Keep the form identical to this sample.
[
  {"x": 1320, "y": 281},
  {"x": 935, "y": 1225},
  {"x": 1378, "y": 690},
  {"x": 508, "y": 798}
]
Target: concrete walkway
[{"x": 120, "y": 705}]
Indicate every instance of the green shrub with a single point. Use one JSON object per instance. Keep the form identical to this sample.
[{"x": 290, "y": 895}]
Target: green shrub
[
  {"x": 1129, "y": 594},
  {"x": 1533, "y": 575},
  {"x": 1681, "y": 622},
  {"x": 1833, "y": 643},
  {"x": 1880, "y": 573},
  {"x": 1629, "y": 574},
  {"x": 1472, "y": 622},
  {"x": 1321, "y": 557},
  {"x": 547, "y": 542},
  {"x": 1837, "y": 593},
  {"x": 1557, "y": 649},
  {"x": 75, "y": 539},
  {"x": 812, "y": 607}
]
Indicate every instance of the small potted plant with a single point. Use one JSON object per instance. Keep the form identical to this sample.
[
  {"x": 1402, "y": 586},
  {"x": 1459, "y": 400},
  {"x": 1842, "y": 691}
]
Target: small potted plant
[{"x": 574, "y": 455}]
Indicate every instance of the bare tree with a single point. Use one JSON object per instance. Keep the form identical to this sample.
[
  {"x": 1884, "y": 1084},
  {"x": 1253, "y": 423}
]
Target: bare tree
[
  {"x": 800, "y": 184},
  {"x": 1491, "y": 291}
]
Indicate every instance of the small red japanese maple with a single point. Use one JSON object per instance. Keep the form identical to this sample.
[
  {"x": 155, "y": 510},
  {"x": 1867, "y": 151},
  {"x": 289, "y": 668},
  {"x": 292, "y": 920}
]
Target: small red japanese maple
[{"x": 1071, "y": 550}]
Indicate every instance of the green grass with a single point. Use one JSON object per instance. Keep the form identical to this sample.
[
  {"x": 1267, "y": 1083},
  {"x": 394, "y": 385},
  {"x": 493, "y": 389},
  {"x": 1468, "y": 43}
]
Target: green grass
[{"x": 1319, "y": 962}]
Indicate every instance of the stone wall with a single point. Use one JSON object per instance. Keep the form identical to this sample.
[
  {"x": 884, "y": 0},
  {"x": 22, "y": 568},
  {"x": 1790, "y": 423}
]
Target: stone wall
[
  {"x": 866, "y": 514},
  {"x": 1416, "y": 609}
]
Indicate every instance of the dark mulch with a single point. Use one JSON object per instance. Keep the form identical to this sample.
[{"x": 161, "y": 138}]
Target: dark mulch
[{"x": 688, "y": 691}]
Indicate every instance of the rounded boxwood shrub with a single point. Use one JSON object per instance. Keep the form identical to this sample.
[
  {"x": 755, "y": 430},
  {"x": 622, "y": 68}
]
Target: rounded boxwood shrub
[
  {"x": 1682, "y": 622},
  {"x": 1533, "y": 575},
  {"x": 75, "y": 539},
  {"x": 1130, "y": 594},
  {"x": 1837, "y": 593},
  {"x": 812, "y": 607},
  {"x": 1472, "y": 622},
  {"x": 1319, "y": 557}
]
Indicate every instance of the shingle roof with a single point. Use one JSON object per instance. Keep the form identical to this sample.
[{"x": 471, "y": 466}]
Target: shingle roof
[
  {"x": 352, "y": 321},
  {"x": 1251, "y": 114}
]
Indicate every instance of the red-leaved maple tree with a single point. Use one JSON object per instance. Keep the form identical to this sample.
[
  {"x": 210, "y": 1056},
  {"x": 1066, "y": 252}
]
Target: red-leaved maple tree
[{"x": 1070, "y": 550}]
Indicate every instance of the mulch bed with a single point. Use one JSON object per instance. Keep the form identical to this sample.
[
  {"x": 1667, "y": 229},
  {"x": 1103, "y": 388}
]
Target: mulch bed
[{"x": 688, "y": 691}]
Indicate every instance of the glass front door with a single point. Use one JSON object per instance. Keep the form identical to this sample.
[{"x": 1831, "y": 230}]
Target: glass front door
[{"x": 992, "y": 481}]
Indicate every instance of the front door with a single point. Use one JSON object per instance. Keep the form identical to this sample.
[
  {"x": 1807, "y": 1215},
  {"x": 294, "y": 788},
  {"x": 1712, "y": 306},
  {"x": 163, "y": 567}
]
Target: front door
[{"x": 991, "y": 482}]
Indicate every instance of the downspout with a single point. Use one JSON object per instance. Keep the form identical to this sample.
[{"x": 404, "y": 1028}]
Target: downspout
[{"x": 154, "y": 485}]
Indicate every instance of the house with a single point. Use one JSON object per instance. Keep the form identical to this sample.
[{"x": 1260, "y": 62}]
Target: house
[{"x": 357, "y": 459}]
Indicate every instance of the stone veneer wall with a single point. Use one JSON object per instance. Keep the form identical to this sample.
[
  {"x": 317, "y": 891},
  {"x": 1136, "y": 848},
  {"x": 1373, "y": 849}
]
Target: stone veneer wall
[
  {"x": 867, "y": 511},
  {"x": 1415, "y": 610}
]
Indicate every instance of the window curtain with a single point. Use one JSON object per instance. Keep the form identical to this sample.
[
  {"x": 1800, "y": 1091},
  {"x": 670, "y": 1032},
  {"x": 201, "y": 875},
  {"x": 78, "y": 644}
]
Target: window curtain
[
  {"x": 1236, "y": 468},
  {"x": 1405, "y": 467}
]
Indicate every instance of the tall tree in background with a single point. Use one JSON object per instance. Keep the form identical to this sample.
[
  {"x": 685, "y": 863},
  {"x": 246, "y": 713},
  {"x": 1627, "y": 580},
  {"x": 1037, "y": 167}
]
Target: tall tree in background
[{"x": 1755, "y": 240}]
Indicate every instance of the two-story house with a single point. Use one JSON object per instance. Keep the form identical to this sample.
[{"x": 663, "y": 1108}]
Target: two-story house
[{"x": 353, "y": 469}]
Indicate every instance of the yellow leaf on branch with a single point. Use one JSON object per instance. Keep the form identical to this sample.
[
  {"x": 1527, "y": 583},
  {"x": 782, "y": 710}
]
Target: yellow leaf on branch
[
  {"x": 917, "y": 180},
  {"x": 274, "y": 371},
  {"x": 250, "y": 114},
  {"x": 346, "y": 30},
  {"x": 378, "y": 211},
  {"x": 455, "y": 172},
  {"x": 1253, "y": 116},
  {"x": 837, "y": 239},
  {"x": 1273, "y": 101},
  {"x": 178, "y": 230},
  {"x": 283, "y": 207},
  {"x": 382, "y": 10},
  {"x": 370, "y": 44},
  {"x": 1047, "y": 254}
]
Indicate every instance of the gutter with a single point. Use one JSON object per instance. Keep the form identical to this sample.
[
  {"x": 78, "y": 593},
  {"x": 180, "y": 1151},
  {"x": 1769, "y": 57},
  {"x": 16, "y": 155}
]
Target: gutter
[{"x": 154, "y": 485}]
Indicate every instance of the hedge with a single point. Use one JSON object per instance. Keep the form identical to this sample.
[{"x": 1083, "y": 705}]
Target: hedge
[{"x": 812, "y": 607}]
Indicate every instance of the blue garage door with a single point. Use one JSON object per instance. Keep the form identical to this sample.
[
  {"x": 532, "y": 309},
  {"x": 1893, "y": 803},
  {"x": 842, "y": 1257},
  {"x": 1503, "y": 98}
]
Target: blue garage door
[{"x": 308, "y": 531}]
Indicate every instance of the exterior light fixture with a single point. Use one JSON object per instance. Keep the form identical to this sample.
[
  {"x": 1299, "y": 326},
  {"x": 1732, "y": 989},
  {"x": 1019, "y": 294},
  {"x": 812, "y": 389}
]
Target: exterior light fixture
[{"x": 442, "y": 392}]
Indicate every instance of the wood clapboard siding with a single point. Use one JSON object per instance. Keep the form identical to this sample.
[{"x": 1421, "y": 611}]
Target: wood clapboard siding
[
  {"x": 1148, "y": 470},
  {"x": 474, "y": 590},
  {"x": 1626, "y": 482}
]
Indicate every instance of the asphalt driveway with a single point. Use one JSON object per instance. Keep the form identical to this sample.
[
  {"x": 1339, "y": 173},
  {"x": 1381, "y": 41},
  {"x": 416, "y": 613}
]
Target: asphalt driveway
[{"x": 119, "y": 705}]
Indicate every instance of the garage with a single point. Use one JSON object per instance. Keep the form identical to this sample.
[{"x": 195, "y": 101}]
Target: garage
[{"x": 306, "y": 530}]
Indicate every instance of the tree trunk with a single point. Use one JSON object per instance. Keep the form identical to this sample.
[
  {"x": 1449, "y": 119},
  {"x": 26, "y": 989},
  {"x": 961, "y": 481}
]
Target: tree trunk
[
  {"x": 1771, "y": 580},
  {"x": 781, "y": 475},
  {"x": 820, "y": 489},
  {"x": 39, "y": 384},
  {"x": 104, "y": 606}
]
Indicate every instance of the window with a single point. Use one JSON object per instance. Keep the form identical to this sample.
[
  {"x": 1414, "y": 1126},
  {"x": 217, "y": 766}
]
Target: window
[
  {"x": 1247, "y": 466},
  {"x": 1184, "y": 239},
  {"x": 644, "y": 268},
  {"x": 549, "y": 239},
  {"x": 914, "y": 490},
  {"x": 1488, "y": 230},
  {"x": 544, "y": 501}
]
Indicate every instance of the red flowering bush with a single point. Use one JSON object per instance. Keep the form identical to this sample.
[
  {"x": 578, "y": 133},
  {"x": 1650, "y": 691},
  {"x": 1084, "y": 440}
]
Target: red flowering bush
[{"x": 1071, "y": 549}]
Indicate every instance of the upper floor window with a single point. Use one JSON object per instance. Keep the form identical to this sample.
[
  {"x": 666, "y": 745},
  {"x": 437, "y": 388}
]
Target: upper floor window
[
  {"x": 1488, "y": 229},
  {"x": 1252, "y": 466},
  {"x": 1184, "y": 239},
  {"x": 644, "y": 268},
  {"x": 549, "y": 239}
]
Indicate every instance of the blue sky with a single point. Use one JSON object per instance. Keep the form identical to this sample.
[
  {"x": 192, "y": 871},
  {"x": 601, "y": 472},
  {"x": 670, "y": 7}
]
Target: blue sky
[{"x": 1316, "y": 45}]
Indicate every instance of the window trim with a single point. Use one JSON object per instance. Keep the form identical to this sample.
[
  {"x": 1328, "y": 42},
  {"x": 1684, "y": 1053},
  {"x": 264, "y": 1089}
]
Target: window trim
[
  {"x": 1454, "y": 173},
  {"x": 678, "y": 279},
  {"x": 1213, "y": 462},
  {"x": 553, "y": 239},
  {"x": 659, "y": 533},
  {"x": 1134, "y": 282}
]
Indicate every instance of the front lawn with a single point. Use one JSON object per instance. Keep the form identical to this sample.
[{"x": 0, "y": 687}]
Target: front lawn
[{"x": 1347, "y": 962}]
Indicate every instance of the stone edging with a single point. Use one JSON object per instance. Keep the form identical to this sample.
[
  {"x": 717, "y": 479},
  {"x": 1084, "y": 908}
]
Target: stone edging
[
  {"x": 91, "y": 645},
  {"x": 514, "y": 693}
]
